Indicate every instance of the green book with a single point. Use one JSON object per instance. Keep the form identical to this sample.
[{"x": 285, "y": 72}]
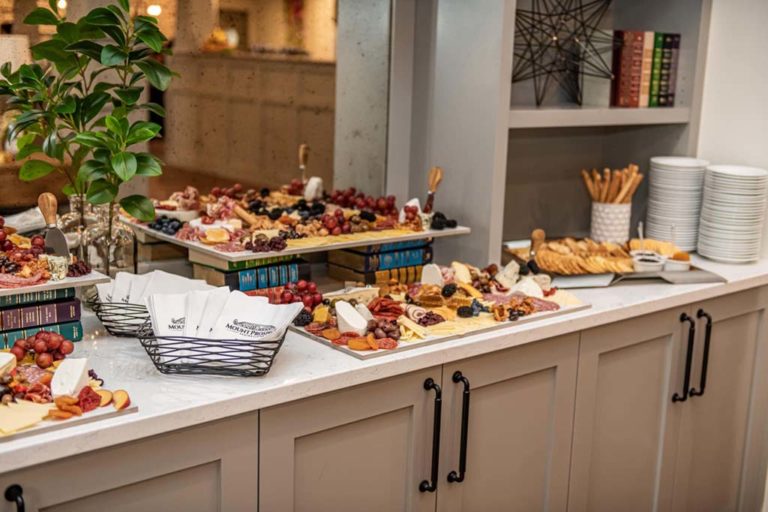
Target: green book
[
  {"x": 22, "y": 299},
  {"x": 72, "y": 331},
  {"x": 658, "y": 43},
  {"x": 229, "y": 266}
]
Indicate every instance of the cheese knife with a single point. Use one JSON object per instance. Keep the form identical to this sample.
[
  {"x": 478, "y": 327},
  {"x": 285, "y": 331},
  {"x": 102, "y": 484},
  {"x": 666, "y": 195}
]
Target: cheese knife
[
  {"x": 303, "y": 160},
  {"x": 54, "y": 237}
]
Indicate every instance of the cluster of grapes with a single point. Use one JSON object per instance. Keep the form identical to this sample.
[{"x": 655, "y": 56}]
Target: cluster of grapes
[
  {"x": 351, "y": 198},
  {"x": 233, "y": 191},
  {"x": 336, "y": 224},
  {"x": 166, "y": 225},
  {"x": 411, "y": 213},
  {"x": 19, "y": 255},
  {"x": 48, "y": 347},
  {"x": 302, "y": 291},
  {"x": 296, "y": 187},
  {"x": 264, "y": 244},
  {"x": 291, "y": 234},
  {"x": 383, "y": 328},
  {"x": 78, "y": 269}
]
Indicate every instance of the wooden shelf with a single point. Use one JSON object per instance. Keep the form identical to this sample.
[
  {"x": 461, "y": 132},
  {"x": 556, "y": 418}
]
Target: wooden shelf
[{"x": 595, "y": 116}]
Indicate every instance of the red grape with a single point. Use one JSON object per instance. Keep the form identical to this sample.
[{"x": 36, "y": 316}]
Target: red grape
[
  {"x": 312, "y": 287},
  {"x": 301, "y": 285},
  {"x": 67, "y": 347}
]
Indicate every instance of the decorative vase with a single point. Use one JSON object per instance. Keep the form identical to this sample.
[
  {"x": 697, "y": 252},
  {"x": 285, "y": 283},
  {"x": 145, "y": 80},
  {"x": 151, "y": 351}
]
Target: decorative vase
[
  {"x": 74, "y": 222},
  {"x": 108, "y": 242}
]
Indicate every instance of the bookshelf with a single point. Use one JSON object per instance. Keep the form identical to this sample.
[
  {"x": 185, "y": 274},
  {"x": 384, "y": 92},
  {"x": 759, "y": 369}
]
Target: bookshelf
[{"x": 595, "y": 116}]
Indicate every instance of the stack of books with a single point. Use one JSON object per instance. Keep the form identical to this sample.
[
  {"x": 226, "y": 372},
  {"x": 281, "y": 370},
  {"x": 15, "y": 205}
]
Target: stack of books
[
  {"x": 378, "y": 264},
  {"x": 644, "y": 69},
  {"x": 25, "y": 314},
  {"x": 255, "y": 277}
]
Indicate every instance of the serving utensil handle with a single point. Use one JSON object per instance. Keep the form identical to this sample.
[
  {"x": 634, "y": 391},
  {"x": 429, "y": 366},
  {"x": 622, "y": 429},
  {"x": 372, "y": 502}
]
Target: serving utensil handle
[{"x": 49, "y": 205}]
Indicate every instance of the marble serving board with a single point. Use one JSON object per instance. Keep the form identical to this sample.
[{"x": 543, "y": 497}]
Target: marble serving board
[
  {"x": 99, "y": 414},
  {"x": 68, "y": 282},
  {"x": 692, "y": 276},
  {"x": 250, "y": 256},
  {"x": 417, "y": 343}
]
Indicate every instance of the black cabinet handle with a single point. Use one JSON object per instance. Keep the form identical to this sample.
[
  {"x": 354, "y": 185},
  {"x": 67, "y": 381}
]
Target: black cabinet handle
[
  {"x": 427, "y": 485},
  {"x": 705, "y": 359},
  {"x": 688, "y": 358},
  {"x": 453, "y": 476},
  {"x": 14, "y": 494}
]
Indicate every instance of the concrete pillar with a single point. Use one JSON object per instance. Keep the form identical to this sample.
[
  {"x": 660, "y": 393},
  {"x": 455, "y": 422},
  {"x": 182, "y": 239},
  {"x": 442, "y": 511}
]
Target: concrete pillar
[{"x": 196, "y": 21}]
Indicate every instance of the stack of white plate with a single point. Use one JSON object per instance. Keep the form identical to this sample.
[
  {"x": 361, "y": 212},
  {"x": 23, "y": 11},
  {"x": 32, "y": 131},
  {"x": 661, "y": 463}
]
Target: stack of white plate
[
  {"x": 674, "y": 200},
  {"x": 733, "y": 213}
]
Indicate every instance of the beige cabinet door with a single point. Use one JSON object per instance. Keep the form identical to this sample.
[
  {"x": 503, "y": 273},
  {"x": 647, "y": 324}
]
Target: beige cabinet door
[
  {"x": 625, "y": 423},
  {"x": 518, "y": 430},
  {"x": 212, "y": 467},
  {"x": 722, "y": 449},
  {"x": 363, "y": 448}
]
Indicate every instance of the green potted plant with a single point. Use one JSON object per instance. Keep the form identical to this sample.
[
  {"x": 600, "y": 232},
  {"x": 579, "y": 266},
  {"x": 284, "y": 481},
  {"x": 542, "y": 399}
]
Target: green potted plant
[{"x": 76, "y": 108}]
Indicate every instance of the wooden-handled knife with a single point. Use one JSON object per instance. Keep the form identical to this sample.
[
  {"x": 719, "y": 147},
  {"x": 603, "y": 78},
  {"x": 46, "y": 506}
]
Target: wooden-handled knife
[{"x": 54, "y": 237}]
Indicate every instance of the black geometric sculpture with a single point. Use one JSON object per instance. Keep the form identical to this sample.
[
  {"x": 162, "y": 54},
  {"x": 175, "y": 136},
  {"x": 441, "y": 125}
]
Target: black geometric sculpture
[{"x": 557, "y": 42}]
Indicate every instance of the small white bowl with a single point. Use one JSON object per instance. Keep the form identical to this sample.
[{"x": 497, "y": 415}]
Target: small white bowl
[
  {"x": 647, "y": 261},
  {"x": 676, "y": 266}
]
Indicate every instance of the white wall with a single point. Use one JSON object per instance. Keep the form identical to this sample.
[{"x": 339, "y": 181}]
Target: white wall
[{"x": 734, "y": 117}]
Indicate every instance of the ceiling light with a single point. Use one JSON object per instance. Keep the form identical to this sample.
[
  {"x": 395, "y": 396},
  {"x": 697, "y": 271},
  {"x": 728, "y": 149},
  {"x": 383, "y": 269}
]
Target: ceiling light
[
  {"x": 154, "y": 10},
  {"x": 61, "y": 4}
]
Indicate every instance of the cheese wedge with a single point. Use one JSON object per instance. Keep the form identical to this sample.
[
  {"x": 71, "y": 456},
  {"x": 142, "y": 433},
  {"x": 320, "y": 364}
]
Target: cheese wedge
[
  {"x": 7, "y": 363},
  {"x": 412, "y": 326},
  {"x": 364, "y": 312},
  {"x": 349, "y": 319},
  {"x": 18, "y": 416},
  {"x": 431, "y": 274},
  {"x": 71, "y": 376},
  {"x": 461, "y": 272}
]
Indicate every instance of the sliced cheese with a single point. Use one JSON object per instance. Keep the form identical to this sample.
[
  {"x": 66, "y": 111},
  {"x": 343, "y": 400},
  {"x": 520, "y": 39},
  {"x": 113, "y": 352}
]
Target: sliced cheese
[
  {"x": 461, "y": 272},
  {"x": 364, "y": 312},
  {"x": 349, "y": 319},
  {"x": 431, "y": 274},
  {"x": 528, "y": 287},
  {"x": 412, "y": 326},
  {"x": 21, "y": 415},
  {"x": 71, "y": 376},
  {"x": 7, "y": 363}
]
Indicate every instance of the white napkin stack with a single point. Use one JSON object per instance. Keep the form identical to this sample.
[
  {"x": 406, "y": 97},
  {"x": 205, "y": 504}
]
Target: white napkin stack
[{"x": 130, "y": 288}]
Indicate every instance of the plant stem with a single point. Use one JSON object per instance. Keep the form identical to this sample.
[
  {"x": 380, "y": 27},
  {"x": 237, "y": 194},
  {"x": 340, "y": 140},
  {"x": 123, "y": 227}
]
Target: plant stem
[{"x": 108, "y": 259}]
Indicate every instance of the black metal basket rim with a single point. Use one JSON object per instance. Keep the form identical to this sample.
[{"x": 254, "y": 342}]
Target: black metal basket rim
[{"x": 145, "y": 333}]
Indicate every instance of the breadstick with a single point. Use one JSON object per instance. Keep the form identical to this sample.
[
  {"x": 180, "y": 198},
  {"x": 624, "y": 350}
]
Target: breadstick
[
  {"x": 635, "y": 184},
  {"x": 615, "y": 187},
  {"x": 624, "y": 191},
  {"x": 606, "y": 185},
  {"x": 598, "y": 184},
  {"x": 588, "y": 183}
]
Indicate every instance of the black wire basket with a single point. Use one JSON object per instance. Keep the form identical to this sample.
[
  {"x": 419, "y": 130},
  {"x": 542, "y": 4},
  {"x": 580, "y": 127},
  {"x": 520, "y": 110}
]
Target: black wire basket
[
  {"x": 200, "y": 356},
  {"x": 120, "y": 319}
]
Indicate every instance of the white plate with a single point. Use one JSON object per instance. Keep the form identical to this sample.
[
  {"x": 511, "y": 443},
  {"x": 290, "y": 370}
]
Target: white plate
[
  {"x": 738, "y": 170},
  {"x": 683, "y": 162}
]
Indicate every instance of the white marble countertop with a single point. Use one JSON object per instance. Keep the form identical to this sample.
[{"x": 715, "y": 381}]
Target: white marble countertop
[{"x": 306, "y": 368}]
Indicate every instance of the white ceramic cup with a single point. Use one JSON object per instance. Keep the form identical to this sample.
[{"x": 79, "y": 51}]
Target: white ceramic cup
[{"x": 610, "y": 222}]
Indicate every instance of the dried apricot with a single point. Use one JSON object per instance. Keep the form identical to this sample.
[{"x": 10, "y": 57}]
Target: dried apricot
[
  {"x": 360, "y": 343},
  {"x": 330, "y": 334}
]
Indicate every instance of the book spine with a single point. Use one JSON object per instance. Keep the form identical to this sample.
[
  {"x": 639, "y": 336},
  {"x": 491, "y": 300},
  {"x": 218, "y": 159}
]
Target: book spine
[
  {"x": 645, "y": 72},
  {"x": 658, "y": 43},
  {"x": 618, "y": 48},
  {"x": 36, "y": 297},
  {"x": 72, "y": 331},
  {"x": 40, "y": 315},
  {"x": 673, "y": 70},
  {"x": 393, "y": 246},
  {"x": 262, "y": 278},
  {"x": 666, "y": 66},
  {"x": 635, "y": 68}
]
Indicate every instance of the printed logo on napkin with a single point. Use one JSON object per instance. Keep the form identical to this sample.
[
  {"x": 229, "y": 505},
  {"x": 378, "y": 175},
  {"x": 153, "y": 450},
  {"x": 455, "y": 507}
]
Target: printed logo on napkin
[
  {"x": 249, "y": 329},
  {"x": 176, "y": 324}
]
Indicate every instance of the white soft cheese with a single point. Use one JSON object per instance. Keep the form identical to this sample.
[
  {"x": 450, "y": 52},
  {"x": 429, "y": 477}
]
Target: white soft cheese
[
  {"x": 364, "y": 312},
  {"x": 349, "y": 319},
  {"x": 528, "y": 287},
  {"x": 71, "y": 376},
  {"x": 431, "y": 274},
  {"x": 7, "y": 362},
  {"x": 461, "y": 272}
]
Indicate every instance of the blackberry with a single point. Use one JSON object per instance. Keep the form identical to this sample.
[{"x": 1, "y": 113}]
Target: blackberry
[
  {"x": 440, "y": 215},
  {"x": 524, "y": 270},
  {"x": 303, "y": 318},
  {"x": 264, "y": 192},
  {"x": 478, "y": 308},
  {"x": 465, "y": 312},
  {"x": 451, "y": 223},
  {"x": 255, "y": 205},
  {"x": 437, "y": 223},
  {"x": 275, "y": 213},
  {"x": 448, "y": 290},
  {"x": 367, "y": 215}
]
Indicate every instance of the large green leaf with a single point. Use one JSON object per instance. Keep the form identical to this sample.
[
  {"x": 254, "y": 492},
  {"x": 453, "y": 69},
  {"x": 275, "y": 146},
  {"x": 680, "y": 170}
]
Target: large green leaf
[
  {"x": 92, "y": 170},
  {"x": 139, "y": 206},
  {"x": 52, "y": 50},
  {"x": 157, "y": 74},
  {"x": 152, "y": 38},
  {"x": 41, "y": 16},
  {"x": 147, "y": 165},
  {"x": 52, "y": 146},
  {"x": 87, "y": 48},
  {"x": 142, "y": 131},
  {"x": 68, "y": 106},
  {"x": 34, "y": 169},
  {"x": 129, "y": 95},
  {"x": 125, "y": 5},
  {"x": 67, "y": 32},
  {"x": 92, "y": 105},
  {"x": 25, "y": 140},
  {"x": 155, "y": 108},
  {"x": 29, "y": 149},
  {"x": 101, "y": 192},
  {"x": 124, "y": 164},
  {"x": 111, "y": 55},
  {"x": 90, "y": 139},
  {"x": 102, "y": 17}
]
